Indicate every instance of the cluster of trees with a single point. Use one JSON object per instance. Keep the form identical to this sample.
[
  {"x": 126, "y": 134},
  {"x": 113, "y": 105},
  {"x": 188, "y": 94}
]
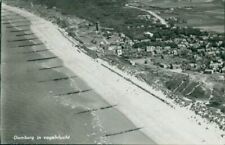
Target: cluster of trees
[
  {"x": 178, "y": 32},
  {"x": 154, "y": 43},
  {"x": 222, "y": 55},
  {"x": 88, "y": 9}
]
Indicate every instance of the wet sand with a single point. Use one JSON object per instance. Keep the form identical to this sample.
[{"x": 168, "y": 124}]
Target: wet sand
[{"x": 37, "y": 99}]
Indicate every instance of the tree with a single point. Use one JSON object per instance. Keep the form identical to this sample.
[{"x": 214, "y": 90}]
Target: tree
[{"x": 222, "y": 55}]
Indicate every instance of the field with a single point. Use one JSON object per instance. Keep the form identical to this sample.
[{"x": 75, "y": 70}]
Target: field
[
  {"x": 109, "y": 13},
  {"x": 181, "y": 3},
  {"x": 208, "y": 14}
]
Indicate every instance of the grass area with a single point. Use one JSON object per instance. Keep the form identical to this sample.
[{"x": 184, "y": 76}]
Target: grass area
[
  {"x": 182, "y": 3},
  {"x": 188, "y": 88},
  {"x": 195, "y": 91},
  {"x": 195, "y": 13},
  {"x": 109, "y": 13}
]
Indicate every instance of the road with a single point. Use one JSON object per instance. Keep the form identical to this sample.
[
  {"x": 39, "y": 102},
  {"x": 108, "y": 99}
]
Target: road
[{"x": 162, "y": 21}]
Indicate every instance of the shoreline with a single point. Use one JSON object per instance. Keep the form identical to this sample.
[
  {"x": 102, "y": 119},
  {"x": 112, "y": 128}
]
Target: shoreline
[
  {"x": 124, "y": 107},
  {"x": 95, "y": 126}
]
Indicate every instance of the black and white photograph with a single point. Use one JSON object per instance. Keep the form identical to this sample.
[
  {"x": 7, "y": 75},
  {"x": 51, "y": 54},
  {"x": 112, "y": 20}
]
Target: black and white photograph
[{"x": 148, "y": 72}]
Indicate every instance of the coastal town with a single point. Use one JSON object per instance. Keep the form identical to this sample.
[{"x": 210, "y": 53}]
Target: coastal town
[
  {"x": 198, "y": 51},
  {"x": 144, "y": 36},
  {"x": 165, "y": 45}
]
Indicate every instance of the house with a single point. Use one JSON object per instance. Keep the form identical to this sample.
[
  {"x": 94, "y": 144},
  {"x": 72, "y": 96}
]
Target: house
[
  {"x": 209, "y": 71},
  {"x": 177, "y": 40},
  {"x": 215, "y": 65},
  {"x": 219, "y": 60},
  {"x": 158, "y": 39},
  {"x": 175, "y": 66},
  {"x": 158, "y": 47},
  {"x": 139, "y": 49},
  {"x": 167, "y": 48},
  {"x": 197, "y": 57},
  {"x": 163, "y": 65},
  {"x": 132, "y": 62},
  {"x": 122, "y": 35},
  {"x": 182, "y": 46},
  {"x": 175, "y": 53},
  {"x": 158, "y": 51},
  {"x": 119, "y": 51},
  {"x": 145, "y": 40},
  {"x": 191, "y": 66},
  {"x": 217, "y": 52},
  {"x": 214, "y": 48},
  {"x": 200, "y": 50},
  {"x": 223, "y": 70},
  {"x": 150, "y": 48},
  {"x": 196, "y": 45},
  {"x": 130, "y": 42},
  {"x": 148, "y": 34},
  {"x": 144, "y": 17},
  {"x": 112, "y": 47},
  {"x": 219, "y": 43},
  {"x": 208, "y": 49},
  {"x": 205, "y": 37},
  {"x": 211, "y": 53},
  {"x": 103, "y": 44}
]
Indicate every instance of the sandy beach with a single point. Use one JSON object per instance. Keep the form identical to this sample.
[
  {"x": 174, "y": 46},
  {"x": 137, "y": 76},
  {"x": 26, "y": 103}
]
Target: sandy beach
[
  {"x": 162, "y": 121},
  {"x": 45, "y": 102}
]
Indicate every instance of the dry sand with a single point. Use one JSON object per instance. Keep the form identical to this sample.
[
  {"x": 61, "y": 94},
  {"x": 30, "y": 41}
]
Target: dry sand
[
  {"x": 27, "y": 84},
  {"x": 163, "y": 124}
]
